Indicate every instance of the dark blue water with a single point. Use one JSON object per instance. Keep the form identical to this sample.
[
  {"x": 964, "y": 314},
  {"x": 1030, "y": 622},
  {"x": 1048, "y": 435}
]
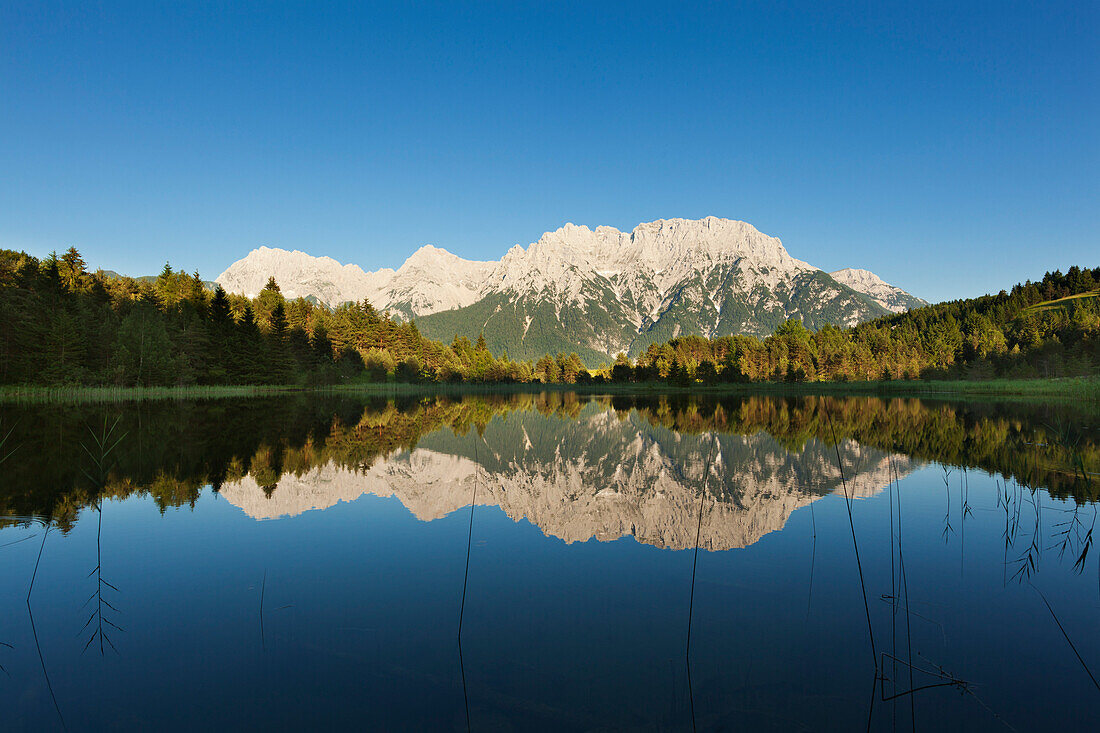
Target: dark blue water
[{"x": 336, "y": 599}]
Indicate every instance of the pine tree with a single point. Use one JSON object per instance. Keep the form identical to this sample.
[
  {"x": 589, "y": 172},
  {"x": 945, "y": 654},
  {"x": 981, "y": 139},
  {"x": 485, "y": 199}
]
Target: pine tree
[
  {"x": 166, "y": 286},
  {"x": 247, "y": 358},
  {"x": 623, "y": 370},
  {"x": 197, "y": 292},
  {"x": 270, "y": 297},
  {"x": 71, "y": 269}
]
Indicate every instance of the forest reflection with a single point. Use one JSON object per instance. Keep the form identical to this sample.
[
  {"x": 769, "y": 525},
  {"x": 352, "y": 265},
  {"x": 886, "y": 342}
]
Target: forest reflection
[
  {"x": 281, "y": 456},
  {"x": 999, "y": 517}
]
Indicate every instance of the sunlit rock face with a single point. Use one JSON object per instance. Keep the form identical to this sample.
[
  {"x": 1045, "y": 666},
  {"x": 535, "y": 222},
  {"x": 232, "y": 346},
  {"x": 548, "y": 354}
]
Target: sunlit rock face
[
  {"x": 598, "y": 477},
  {"x": 890, "y": 297}
]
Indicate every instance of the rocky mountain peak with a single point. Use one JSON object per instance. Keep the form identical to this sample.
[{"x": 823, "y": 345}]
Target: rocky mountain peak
[
  {"x": 891, "y": 298},
  {"x": 300, "y": 275}
]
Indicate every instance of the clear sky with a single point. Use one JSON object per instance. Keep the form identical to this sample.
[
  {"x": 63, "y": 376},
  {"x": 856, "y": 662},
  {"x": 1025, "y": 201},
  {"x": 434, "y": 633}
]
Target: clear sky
[{"x": 954, "y": 149}]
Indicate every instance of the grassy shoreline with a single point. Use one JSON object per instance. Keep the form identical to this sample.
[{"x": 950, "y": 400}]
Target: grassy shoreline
[{"x": 1078, "y": 389}]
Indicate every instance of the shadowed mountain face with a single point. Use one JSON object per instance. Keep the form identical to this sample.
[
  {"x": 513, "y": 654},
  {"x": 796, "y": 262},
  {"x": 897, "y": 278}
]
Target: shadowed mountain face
[{"x": 601, "y": 476}]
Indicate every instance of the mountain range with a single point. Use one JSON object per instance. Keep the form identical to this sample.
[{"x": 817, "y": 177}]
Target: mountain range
[{"x": 594, "y": 291}]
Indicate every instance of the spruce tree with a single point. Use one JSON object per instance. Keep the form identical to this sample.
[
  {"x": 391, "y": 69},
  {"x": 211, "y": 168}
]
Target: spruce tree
[
  {"x": 71, "y": 269},
  {"x": 266, "y": 301}
]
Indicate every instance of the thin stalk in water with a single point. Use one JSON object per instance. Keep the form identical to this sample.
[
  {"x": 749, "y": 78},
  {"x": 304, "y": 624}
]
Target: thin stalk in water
[
  {"x": 1068, "y": 640},
  {"x": 465, "y": 580},
  {"x": 855, "y": 543},
  {"x": 34, "y": 630},
  {"x": 691, "y": 597}
]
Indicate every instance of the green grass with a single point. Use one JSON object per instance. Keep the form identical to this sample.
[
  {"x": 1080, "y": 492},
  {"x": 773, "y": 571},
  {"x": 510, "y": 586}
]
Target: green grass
[
  {"x": 1080, "y": 389},
  {"x": 1059, "y": 303},
  {"x": 1069, "y": 388},
  {"x": 35, "y": 395}
]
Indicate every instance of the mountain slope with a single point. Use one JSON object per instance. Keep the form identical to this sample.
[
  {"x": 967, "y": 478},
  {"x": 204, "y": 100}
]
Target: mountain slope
[{"x": 892, "y": 298}]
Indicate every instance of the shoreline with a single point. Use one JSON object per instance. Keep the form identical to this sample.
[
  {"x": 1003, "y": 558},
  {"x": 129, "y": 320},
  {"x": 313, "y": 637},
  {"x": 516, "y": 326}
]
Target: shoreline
[{"x": 1062, "y": 389}]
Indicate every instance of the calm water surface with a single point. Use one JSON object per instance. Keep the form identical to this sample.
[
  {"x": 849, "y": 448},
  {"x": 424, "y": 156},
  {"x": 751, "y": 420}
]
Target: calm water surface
[{"x": 549, "y": 562}]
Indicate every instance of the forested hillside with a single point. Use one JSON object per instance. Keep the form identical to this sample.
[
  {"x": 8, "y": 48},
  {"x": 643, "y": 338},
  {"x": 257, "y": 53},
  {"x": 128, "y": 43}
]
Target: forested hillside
[
  {"x": 1049, "y": 328},
  {"x": 60, "y": 324}
]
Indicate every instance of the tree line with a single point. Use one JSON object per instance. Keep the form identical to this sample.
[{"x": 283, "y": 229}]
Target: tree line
[{"x": 61, "y": 324}]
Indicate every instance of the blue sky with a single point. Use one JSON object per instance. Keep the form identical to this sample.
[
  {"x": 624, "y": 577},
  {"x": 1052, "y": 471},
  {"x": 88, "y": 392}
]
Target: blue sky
[{"x": 954, "y": 149}]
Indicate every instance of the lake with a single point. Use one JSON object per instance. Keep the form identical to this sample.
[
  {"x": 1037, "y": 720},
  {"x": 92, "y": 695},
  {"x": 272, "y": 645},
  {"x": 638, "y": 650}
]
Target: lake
[{"x": 550, "y": 562}]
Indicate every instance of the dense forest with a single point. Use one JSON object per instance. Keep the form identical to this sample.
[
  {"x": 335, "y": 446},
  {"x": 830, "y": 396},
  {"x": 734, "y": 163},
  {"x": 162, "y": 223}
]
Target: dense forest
[{"x": 63, "y": 325}]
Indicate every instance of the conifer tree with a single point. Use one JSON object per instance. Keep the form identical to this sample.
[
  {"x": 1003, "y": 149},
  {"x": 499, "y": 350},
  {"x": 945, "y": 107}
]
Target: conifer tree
[
  {"x": 71, "y": 270},
  {"x": 197, "y": 292},
  {"x": 269, "y": 297},
  {"x": 51, "y": 273}
]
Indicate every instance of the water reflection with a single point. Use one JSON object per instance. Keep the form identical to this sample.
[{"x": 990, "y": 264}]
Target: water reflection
[
  {"x": 577, "y": 468},
  {"x": 513, "y": 560}
]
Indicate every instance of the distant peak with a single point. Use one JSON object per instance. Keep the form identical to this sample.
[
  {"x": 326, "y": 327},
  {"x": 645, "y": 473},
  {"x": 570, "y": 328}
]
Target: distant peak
[
  {"x": 431, "y": 252},
  {"x": 889, "y": 296},
  {"x": 855, "y": 271},
  {"x": 431, "y": 256}
]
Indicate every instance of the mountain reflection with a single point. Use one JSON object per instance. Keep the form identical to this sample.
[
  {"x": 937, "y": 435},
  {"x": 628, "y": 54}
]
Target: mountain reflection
[
  {"x": 578, "y": 468},
  {"x": 361, "y": 613},
  {"x": 597, "y": 476}
]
